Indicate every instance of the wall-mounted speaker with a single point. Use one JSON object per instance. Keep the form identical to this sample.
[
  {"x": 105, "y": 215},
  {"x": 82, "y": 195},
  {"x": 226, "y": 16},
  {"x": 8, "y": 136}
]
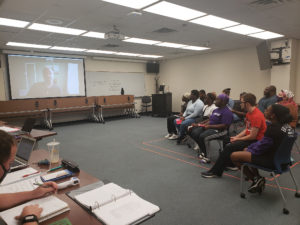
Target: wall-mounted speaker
[{"x": 152, "y": 67}]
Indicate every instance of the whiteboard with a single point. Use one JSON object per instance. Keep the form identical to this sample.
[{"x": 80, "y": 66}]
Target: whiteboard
[{"x": 110, "y": 83}]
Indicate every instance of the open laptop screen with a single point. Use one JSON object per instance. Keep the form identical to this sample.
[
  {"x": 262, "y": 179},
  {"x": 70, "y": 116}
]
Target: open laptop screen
[{"x": 25, "y": 148}]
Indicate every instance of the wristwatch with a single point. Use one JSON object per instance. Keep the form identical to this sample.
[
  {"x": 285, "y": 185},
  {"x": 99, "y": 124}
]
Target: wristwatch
[{"x": 30, "y": 218}]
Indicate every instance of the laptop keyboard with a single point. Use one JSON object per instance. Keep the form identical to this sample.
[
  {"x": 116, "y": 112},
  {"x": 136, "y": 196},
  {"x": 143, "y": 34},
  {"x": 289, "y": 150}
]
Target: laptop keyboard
[{"x": 16, "y": 163}]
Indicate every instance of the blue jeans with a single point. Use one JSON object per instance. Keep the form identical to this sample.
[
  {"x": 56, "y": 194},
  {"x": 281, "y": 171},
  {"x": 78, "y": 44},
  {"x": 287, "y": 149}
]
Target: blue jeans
[{"x": 183, "y": 126}]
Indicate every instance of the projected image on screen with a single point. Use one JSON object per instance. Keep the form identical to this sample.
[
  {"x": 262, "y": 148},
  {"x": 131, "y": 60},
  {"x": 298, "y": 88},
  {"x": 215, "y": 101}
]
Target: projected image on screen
[{"x": 44, "y": 77}]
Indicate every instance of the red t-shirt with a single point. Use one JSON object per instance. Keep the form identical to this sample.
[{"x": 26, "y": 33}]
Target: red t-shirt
[{"x": 256, "y": 119}]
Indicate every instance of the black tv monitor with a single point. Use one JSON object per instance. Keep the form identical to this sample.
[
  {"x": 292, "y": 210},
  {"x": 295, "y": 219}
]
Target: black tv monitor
[{"x": 264, "y": 57}]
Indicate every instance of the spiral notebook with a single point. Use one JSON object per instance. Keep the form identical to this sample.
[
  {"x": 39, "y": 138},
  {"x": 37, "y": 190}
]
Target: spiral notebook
[{"x": 115, "y": 205}]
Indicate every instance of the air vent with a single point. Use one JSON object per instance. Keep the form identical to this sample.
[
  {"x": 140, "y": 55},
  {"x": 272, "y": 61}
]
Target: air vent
[
  {"x": 164, "y": 30},
  {"x": 111, "y": 46},
  {"x": 266, "y": 4}
]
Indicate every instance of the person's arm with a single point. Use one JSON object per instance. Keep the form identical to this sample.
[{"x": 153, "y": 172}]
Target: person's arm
[
  {"x": 12, "y": 199},
  {"x": 197, "y": 111},
  {"x": 30, "y": 210},
  {"x": 251, "y": 136},
  {"x": 217, "y": 126}
]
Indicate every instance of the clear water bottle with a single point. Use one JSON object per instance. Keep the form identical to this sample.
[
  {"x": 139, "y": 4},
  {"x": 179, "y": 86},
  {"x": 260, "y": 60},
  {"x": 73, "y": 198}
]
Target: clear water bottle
[{"x": 53, "y": 148}]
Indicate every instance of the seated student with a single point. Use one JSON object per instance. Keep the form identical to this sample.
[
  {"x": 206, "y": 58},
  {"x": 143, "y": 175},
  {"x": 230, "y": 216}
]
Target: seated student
[
  {"x": 193, "y": 110},
  {"x": 208, "y": 108},
  {"x": 7, "y": 155},
  {"x": 216, "y": 126},
  {"x": 254, "y": 131},
  {"x": 262, "y": 152},
  {"x": 286, "y": 99},
  {"x": 202, "y": 95},
  {"x": 269, "y": 98},
  {"x": 230, "y": 104},
  {"x": 172, "y": 132},
  {"x": 238, "y": 112}
]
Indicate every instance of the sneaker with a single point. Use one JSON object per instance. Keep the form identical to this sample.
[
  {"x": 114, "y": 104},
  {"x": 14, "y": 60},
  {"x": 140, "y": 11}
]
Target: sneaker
[
  {"x": 174, "y": 137},
  {"x": 168, "y": 135},
  {"x": 185, "y": 139},
  {"x": 232, "y": 168},
  {"x": 196, "y": 148},
  {"x": 257, "y": 185},
  {"x": 205, "y": 160},
  {"x": 209, "y": 174},
  {"x": 201, "y": 155}
]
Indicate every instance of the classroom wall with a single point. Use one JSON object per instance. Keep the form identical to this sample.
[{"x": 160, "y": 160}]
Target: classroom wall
[
  {"x": 297, "y": 72},
  {"x": 237, "y": 69}
]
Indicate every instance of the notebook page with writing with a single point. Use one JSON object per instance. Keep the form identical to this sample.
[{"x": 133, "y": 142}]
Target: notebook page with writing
[
  {"x": 126, "y": 210},
  {"x": 17, "y": 175},
  {"x": 23, "y": 185},
  {"x": 51, "y": 205},
  {"x": 101, "y": 195}
]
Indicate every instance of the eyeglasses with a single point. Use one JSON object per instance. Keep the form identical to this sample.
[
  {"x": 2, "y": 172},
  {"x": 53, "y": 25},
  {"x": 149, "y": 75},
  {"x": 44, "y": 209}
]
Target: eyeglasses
[{"x": 243, "y": 102}]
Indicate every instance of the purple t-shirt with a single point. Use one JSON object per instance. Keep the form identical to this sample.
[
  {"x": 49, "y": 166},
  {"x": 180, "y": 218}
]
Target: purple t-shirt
[{"x": 221, "y": 116}]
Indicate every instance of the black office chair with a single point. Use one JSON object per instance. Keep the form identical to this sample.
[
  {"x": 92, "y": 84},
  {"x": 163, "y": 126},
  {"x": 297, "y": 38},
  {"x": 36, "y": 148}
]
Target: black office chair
[
  {"x": 282, "y": 162},
  {"x": 146, "y": 100}
]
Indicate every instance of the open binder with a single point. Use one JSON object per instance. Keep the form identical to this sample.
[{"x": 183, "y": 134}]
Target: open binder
[{"x": 115, "y": 205}]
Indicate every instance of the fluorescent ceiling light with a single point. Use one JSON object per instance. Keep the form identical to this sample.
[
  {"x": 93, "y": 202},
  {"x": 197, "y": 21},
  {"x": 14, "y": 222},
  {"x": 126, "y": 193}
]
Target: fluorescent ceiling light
[
  {"x": 68, "y": 49},
  {"x": 13, "y": 23},
  {"x": 18, "y": 44},
  {"x": 214, "y": 21},
  {"x": 150, "y": 56},
  {"x": 196, "y": 48},
  {"x": 170, "y": 45},
  {"x": 243, "y": 29},
  {"x": 136, "y": 4},
  {"x": 266, "y": 35},
  {"x": 94, "y": 34},
  {"x": 141, "y": 41},
  {"x": 101, "y": 51},
  {"x": 55, "y": 29},
  {"x": 127, "y": 53},
  {"x": 174, "y": 11}
]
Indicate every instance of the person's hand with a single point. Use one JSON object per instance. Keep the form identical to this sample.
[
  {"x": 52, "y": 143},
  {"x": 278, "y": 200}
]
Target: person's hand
[
  {"x": 245, "y": 149},
  {"x": 45, "y": 190},
  {"x": 30, "y": 210},
  {"x": 207, "y": 126},
  {"x": 233, "y": 139},
  {"x": 182, "y": 118},
  {"x": 180, "y": 114},
  {"x": 193, "y": 125}
]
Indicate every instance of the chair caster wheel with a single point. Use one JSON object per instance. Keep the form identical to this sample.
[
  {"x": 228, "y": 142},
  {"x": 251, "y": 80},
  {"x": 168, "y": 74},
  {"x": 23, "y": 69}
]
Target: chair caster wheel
[
  {"x": 285, "y": 211},
  {"x": 297, "y": 195},
  {"x": 243, "y": 195}
]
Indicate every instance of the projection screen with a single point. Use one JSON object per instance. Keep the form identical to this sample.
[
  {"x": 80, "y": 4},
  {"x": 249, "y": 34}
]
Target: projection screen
[{"x": 45, "y": 77}]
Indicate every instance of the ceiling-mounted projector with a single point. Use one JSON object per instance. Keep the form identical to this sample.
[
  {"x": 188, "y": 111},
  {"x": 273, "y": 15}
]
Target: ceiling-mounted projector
[{"x": 114, "y": 34}]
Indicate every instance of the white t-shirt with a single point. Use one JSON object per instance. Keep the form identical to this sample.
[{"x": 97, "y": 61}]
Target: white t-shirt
[{"x": 207, "y": 110}]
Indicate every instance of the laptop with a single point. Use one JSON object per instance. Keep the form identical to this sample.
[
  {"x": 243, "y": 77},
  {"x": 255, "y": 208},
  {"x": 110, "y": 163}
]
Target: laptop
[
  {"x": 27, "y": 127},
  {"x": 25, "y": 148}
]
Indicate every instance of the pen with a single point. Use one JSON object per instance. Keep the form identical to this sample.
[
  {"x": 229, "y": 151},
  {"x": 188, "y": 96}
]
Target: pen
[
  {"x": 26, "y": 175},
  {"x": 55, "y": 168}
]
